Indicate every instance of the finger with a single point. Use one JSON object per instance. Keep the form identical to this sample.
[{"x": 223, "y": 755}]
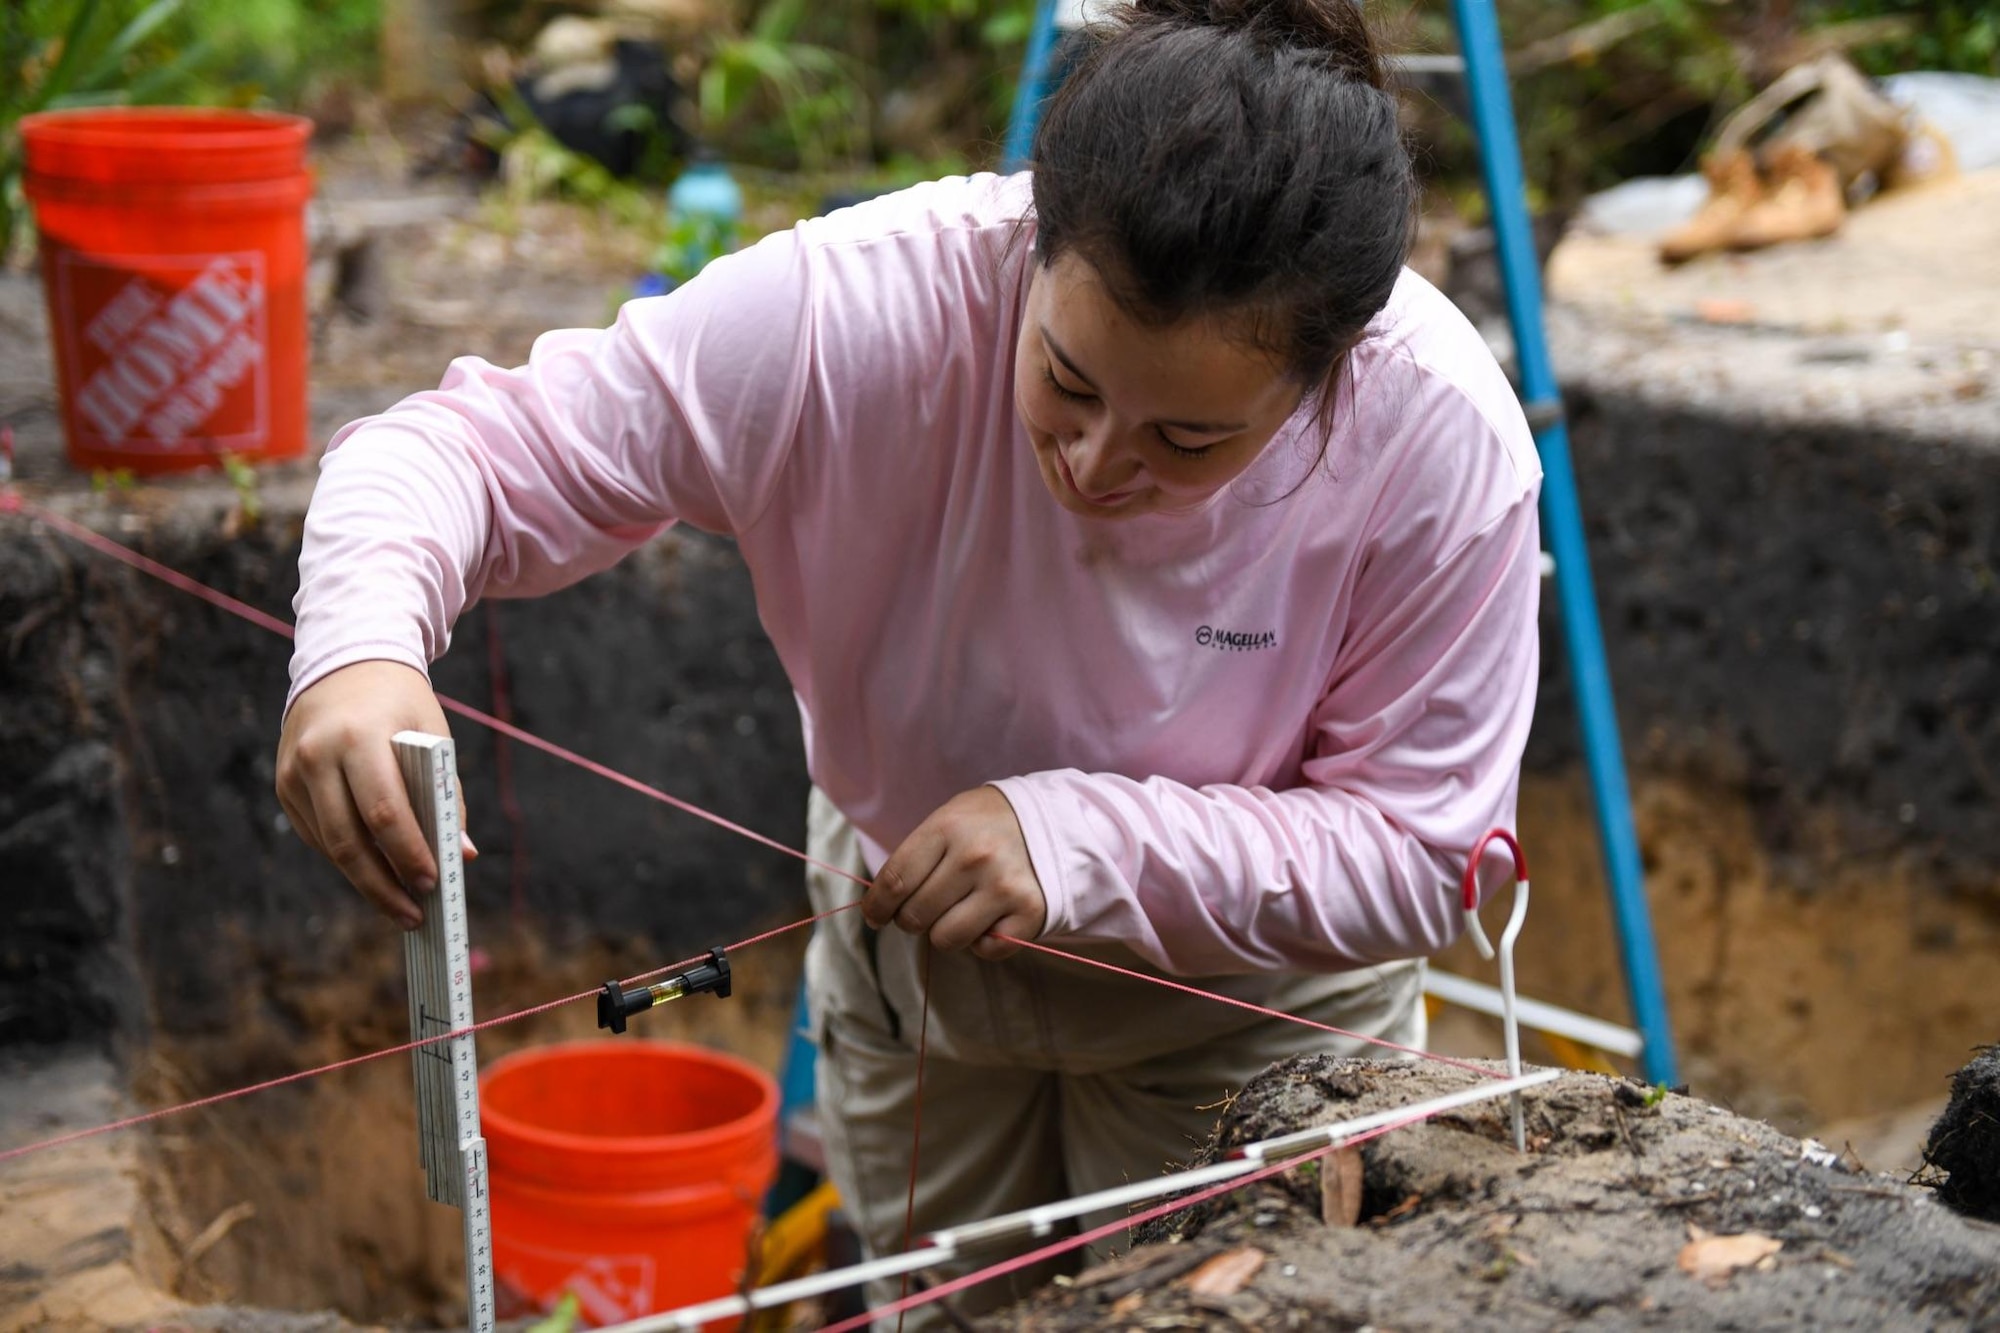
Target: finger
[
  {"x": 965, "y": 922},
  {"x": 299, "y": 818},
  {"x": 906, "y": 870},
  {"x": 384, "y": 805},
  {"x": 1001, "y": 941},
  {"x": 945, "y": 889},
  {"x": 294, "y": 795},
  {"x": 994, "y": 949},
  {"x": 345, "y": 840}
]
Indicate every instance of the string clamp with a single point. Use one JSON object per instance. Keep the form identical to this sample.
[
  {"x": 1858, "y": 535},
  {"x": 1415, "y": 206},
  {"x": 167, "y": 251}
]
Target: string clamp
[{"x": 615, "y": 1004}]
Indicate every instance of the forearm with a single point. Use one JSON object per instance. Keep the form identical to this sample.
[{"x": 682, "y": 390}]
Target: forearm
[
  {"x": 1414, "y": 752},
  {"x": 1226, "y": 879}
]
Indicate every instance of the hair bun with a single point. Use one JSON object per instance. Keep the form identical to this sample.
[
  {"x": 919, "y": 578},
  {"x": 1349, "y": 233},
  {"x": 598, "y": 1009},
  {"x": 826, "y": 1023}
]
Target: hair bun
[{"x": 1333, "y": 28}]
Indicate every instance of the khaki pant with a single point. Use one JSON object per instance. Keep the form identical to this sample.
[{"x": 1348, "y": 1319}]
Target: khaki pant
[{"x": 1042, "y": 1079}]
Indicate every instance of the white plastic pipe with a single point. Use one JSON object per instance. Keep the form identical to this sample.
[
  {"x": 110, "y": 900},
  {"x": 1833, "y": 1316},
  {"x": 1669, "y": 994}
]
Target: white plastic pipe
[{"x": 948, "y": 1243}]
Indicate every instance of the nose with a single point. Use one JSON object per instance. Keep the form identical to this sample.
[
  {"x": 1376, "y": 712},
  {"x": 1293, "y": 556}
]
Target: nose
[{"x": 1098, "y": 464}]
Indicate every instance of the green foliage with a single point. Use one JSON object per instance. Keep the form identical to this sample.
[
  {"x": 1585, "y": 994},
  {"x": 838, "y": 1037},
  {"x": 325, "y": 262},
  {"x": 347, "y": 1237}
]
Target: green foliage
[
  {"x": 284, "y": 51},
  {"x": 1961, "y": 35},
  {"x": 55, "y": 56},
  {"x": 804, "y": 85},
  {"x": 1008, "y": 25},
  {"x": 535, "y": 166},
  {"x": 563, "y": 1318},
  {"x": 243, "y": 479},
  {"x": 61, "y": 54},
  {"x": 813, "y": 90},
  {"x": 688, "y": 243}
]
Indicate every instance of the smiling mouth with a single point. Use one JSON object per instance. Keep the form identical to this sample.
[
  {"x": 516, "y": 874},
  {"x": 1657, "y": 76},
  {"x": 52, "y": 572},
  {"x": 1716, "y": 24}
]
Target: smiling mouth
[{"x": 1111, "y": 501}]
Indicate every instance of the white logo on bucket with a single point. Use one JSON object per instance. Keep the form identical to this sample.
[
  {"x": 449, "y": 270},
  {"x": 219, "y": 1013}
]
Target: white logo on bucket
[
  {"x": 615, "y": 1288},
  {"x": 611, "y": 1288},
  {"x": 163, "y": 366}
]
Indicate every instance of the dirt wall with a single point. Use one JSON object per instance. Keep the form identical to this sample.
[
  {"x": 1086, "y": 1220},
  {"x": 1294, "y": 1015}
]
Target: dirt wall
[
  {"x": 1802, "y": 641},
  {"x": 1803, "y": 624},
  {"x": 1806, "y": 616},
  {"x": 136, "y": 763}
]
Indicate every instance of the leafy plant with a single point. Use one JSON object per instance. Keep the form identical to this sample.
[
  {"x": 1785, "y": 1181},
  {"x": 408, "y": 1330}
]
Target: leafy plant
[
  {"x": 55, "y": 56},
  {"x": 814, "y": 89},
  {"x": 1961, "y": 35},
  {"x": 687, "y": 244},
  {"x": 563, "y": 1318},
  {"x": 535, "y": 165},
  {"x": 58, "y": 55},
  {"x": 243, "y": 479},
  {"x": 113, "y": 481}
]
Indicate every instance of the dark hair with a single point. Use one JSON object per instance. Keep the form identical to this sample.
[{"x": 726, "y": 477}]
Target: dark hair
[{"x": 1233, "y": 156}]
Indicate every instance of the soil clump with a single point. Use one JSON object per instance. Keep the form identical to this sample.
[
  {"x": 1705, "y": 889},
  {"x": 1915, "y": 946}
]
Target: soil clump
[
  {"x": 1632, "y": 1208},
  {"x": 1964, "y": 1144}
]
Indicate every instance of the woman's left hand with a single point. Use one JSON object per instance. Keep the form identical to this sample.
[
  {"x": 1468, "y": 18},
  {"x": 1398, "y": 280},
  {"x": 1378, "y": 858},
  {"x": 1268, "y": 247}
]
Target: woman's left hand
[{"x": 965, "y": 872}]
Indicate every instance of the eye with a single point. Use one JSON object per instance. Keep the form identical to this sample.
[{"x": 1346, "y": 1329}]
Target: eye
[
  {"x": 1182, "y": 450},
  {"x": 1067, "y": 394}
]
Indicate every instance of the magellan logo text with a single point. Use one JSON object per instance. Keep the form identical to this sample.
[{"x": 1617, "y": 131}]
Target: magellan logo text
[{"x": 1235, "y": 641}]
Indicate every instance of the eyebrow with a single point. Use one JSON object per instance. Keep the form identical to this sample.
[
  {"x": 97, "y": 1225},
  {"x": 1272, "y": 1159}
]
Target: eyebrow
[{"x": 1191, "y": 427}]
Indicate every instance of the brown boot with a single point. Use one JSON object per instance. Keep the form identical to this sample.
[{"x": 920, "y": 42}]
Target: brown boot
[
  {"x": 1734, "y": 188},
  {"x": 1802, "y": 200}
]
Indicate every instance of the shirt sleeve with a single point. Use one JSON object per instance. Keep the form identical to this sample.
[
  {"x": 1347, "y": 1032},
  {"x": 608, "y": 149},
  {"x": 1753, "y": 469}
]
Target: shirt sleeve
[
  {"x": 1414, "y": 753},
  {"x": 515, "y": 482}
]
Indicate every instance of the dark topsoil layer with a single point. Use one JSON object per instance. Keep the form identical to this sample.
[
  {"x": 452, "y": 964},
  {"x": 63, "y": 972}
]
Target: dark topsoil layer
[
  {"x": 1586, "y": 1229},
  {"x": 1964, "y": 1144}
]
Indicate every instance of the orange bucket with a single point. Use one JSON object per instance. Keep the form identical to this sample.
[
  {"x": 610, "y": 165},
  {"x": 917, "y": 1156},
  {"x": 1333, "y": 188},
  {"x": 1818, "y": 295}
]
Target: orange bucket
[
  {"x": 173, "y": 250},
  {"x": 629, "y": 1173}
]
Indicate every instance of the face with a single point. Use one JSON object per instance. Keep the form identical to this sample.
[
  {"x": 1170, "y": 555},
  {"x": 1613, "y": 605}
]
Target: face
[{"x": 1126, "y": 419}]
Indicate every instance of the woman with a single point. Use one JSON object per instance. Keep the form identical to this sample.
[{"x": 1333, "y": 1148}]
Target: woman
[{"x": 1153, "y": 557}]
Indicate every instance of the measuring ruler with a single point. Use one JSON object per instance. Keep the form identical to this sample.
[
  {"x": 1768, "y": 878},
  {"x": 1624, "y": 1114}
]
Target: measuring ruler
[{"x": 438, "y": 956}]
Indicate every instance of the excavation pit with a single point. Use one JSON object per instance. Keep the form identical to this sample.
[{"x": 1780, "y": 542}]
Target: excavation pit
[{"x": 1799, "y": 606}]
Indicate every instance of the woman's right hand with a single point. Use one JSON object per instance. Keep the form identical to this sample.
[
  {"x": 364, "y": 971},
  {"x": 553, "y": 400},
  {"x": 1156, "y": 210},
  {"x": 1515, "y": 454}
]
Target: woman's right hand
[{"x": 342, "y": 789}]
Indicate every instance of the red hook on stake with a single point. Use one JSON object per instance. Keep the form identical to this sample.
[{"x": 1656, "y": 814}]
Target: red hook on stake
[{"x": 1469, "y": 903}]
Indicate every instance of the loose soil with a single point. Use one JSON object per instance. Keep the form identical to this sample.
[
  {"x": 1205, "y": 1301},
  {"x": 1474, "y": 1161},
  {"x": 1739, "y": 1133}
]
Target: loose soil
[
  {"x": 1964, "y": 1144},
  {"x": 1589, "y": 1228}
]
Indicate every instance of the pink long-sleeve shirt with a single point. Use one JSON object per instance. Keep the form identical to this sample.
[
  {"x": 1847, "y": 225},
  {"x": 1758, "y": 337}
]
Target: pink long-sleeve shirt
[{"x": 1263, "y": 735}]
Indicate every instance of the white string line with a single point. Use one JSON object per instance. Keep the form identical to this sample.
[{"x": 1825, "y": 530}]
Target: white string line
[{"x": 1040, "y": 1221}]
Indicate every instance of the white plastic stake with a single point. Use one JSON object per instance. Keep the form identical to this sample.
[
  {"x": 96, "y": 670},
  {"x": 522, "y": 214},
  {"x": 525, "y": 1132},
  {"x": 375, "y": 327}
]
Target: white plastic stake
[
  {"x": 438, "y": 956},
  {"x": 940, "y": 1246},
  {"x": 1469, "y": 904}
]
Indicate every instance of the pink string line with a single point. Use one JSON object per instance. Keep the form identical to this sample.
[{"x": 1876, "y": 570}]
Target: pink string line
[
  {"x": 1481, "y": 1070},
  {"x": 644, "y": 789},
  {"x": 1005, "y": 1266},
  {"x": 12, "y": 502},
  {"x": 351, "y": 1061},
  {"x": 917, "y": 1123},
  {"x": 173, "y": 578}
]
